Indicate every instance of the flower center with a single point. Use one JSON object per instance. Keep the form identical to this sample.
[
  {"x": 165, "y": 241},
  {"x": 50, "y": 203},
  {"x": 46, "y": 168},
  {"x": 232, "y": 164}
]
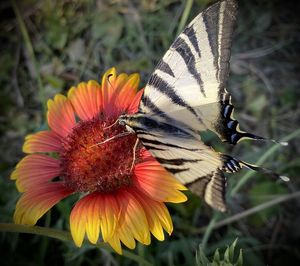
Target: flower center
[{"x": 88, "y": 167}]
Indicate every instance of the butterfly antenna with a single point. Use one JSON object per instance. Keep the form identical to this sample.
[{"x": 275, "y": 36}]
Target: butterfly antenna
[{"x": 112, "y": 138}]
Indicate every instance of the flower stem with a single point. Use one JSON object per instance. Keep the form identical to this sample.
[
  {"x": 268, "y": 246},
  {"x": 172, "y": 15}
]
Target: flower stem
[
  {"x": 37, "y": 230},
  {"x": 63, "y": 236},
  {"x": 209, "y": 229}
]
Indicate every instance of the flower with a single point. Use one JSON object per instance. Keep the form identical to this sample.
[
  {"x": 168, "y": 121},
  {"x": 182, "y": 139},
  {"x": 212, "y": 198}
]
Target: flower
[{"x": 122, "y": 189}]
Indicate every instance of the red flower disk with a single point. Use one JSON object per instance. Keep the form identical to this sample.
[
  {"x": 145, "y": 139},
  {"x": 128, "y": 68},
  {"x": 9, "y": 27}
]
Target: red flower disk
[{"x": 123, "y": 189}]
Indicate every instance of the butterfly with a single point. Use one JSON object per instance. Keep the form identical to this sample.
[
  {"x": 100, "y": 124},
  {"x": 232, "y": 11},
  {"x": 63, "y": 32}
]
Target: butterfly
[{"x": 186, "y": 95}]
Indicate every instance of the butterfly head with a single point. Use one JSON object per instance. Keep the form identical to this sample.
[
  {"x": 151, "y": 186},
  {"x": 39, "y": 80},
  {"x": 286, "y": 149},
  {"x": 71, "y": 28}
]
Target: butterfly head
[{"x": 127, "y": 121}]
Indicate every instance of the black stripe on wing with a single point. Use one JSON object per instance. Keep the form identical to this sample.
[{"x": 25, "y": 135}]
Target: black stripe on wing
[
  {"x": 175, "y": 171},
  {"x": 191, "y": 34},
  {"x": 217, "y": 183},
  {"x": 211, "y": 20},
  {"x": 199, "y": 185},
  {"x": 164, "y": 144},
  {"x": 147, "y": 102},
  {"x": 153, "y": 147},
  {"x": 163, "y": 87},
  {"x": 164, "y": 67},
  {"x": 189, "y": 58},
  {"x": 179, "y": 161}
]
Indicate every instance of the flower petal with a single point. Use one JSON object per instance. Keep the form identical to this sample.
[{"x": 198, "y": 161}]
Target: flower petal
[
  {"x": 133, "y": 107},
  {"x": 92, "y": 217},
  {"x": 157, "y": 215},
  {"x": 152, "y": 179},
  {"x": 109, "y": 216},
  {"x": 118, "y": 92},
  {"x": 78, "y": 221},
  {"x": 127, "y": 93},
  {"x": 133, "y": 217},
  {"x": 108, "y": 92},
  {"x": 60, "y": 115},
  {"x": 34, "y": 170},
  {"x": 43, "y": 141},
  {"x": 115, "y": 243},
  {"x": 86, "y": 99},
  {"x": 35, "y": 202}
]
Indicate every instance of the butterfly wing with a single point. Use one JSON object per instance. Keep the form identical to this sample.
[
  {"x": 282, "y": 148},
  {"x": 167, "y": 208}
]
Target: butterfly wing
[
  {"x": 186, "y": 95},
  {"x": 189, "y": 80},
  {"x": 185, "y": 156}
]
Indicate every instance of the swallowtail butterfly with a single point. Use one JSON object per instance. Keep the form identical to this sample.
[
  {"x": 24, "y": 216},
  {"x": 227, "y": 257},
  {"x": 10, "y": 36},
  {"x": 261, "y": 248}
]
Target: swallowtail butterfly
[{"x": 186, "y": 95}]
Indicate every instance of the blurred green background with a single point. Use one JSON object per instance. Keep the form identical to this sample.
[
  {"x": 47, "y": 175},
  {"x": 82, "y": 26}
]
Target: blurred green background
[{"x": 52, "y": 45}]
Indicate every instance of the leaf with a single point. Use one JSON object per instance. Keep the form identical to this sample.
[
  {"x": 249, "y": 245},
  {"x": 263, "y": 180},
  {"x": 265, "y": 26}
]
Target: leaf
[
  {"x": 217, "y": 256},
  {"x": 240, "y": 259},
  {"x": 201, "y": 258},
  {"x": 228, "y": 260}
]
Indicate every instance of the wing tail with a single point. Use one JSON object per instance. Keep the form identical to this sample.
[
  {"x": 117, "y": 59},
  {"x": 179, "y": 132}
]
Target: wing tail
[
  {"x": 228, "y": 128},
  {"x": 212, "y": 188},
  {"x": 233, "y": 165}
]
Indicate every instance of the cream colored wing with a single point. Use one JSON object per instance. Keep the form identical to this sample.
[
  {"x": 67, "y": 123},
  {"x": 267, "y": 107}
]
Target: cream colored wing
[
  {"x": 188, "y": 84},
  {"x": 187, "y": 158}
]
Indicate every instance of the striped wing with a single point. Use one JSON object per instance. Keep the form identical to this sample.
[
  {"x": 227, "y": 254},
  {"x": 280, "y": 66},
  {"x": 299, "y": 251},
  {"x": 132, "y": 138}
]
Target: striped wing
[
  {"x": 188, "y": 83},
  {"x": 186, "y": 157},
  {"x": 186, "y": 95}
]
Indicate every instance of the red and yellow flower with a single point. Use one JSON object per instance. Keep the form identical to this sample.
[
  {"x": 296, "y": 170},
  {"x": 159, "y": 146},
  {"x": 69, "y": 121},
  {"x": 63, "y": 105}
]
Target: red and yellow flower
[{"x": 121, "y": 198}]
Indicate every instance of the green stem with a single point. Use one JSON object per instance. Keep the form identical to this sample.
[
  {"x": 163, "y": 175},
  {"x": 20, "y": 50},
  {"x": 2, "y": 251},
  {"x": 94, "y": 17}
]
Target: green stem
[
  {"x": 140, "y": 260},
  {"x": 185, "y": 15},
  {"x": 213, "y": 222},
  {"x": 37, "y": 230},
  {"x": 30, "y": 50},
  {"x": 261, "y": 160},
  {"x": 209, "y": 229},
  {"x": 62, "y": 236},
  {"x": 249, "y": 212},
  {"x": 141, "y": 252}
]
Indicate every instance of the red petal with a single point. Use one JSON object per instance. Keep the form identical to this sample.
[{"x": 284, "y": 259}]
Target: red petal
[
  {"x": 133, "y": 108},
  {"x": 34, "y": 170},
  {"x": 43, "y": 141},
  {"x": 61, "y": 117},
  {"x": 34, "y": 203},
  {"x": 153, "y": 180},
  {"x": 86, "y": 99}
]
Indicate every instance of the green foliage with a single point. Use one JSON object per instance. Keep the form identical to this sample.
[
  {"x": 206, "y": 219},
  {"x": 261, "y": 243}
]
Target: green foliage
[
  {"x": 228, "y": 259},
  {"x": 259, "y": 194}
]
